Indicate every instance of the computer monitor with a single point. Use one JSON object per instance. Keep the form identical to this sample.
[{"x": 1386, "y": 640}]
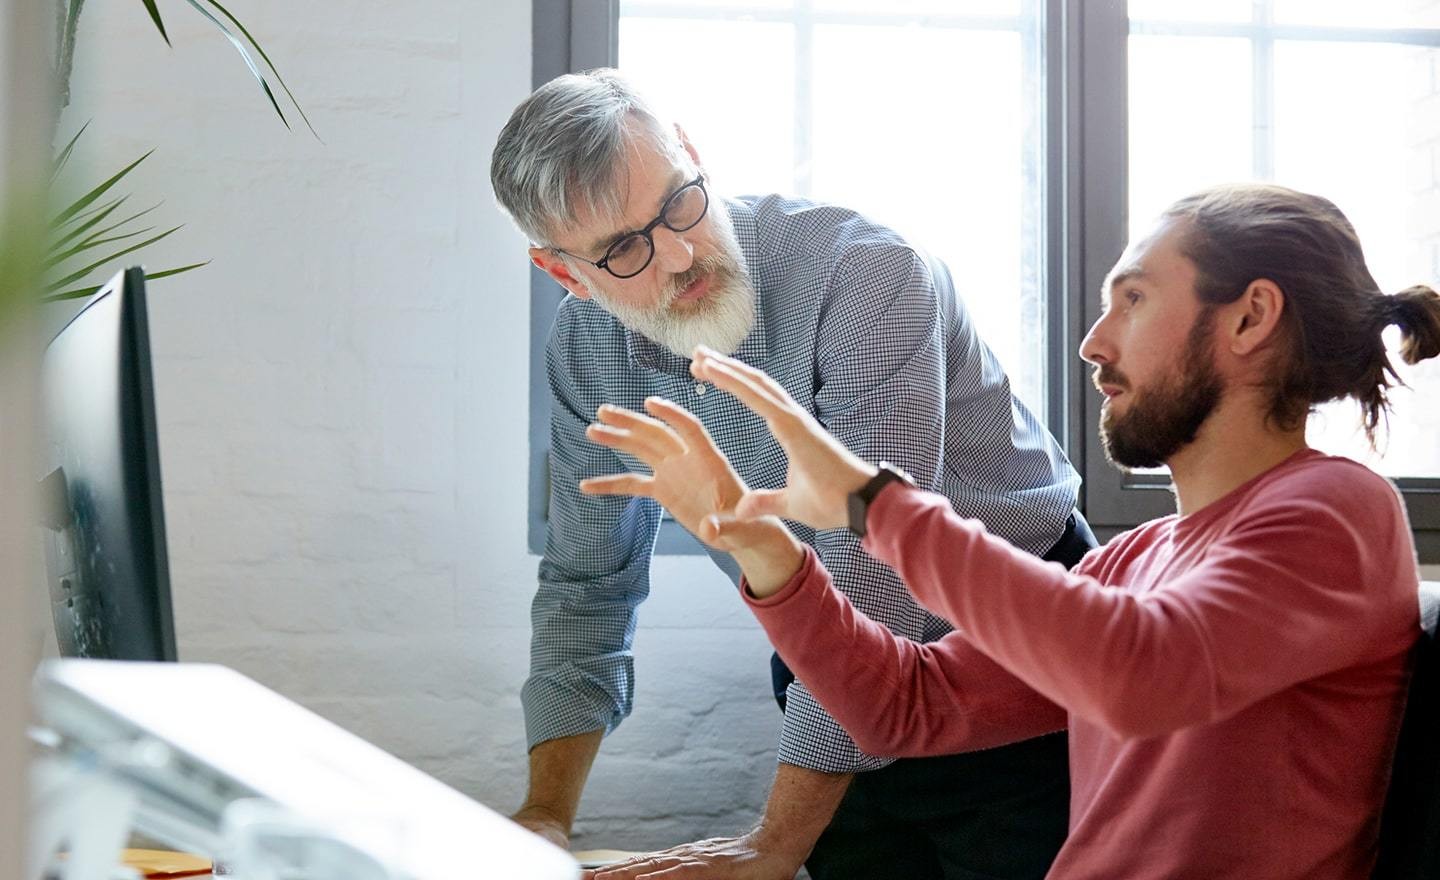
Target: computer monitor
[{"x": 105, "y": 527}]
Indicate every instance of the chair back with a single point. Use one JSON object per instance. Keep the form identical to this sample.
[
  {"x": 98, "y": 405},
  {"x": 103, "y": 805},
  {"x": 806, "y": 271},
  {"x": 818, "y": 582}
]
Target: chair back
[{"x": 1410, "y": 824}]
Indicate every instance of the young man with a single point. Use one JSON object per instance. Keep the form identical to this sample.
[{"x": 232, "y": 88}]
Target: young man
[
  {"x": 867, "y": 334},
  {"x": 1232, "y": 676}
]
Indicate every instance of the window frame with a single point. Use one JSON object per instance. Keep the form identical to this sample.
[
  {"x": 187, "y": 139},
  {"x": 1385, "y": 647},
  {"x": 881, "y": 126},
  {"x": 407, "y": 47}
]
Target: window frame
[{"x": 1085, "y": 196}]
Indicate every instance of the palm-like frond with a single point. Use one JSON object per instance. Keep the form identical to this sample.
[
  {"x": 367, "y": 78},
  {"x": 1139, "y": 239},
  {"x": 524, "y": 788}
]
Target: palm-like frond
[
  {"x": 77, "y": 230},
  {"x": 243, "y": 47}
]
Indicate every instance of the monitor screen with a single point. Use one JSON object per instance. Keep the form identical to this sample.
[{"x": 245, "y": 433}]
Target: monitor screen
[{"x": 105, "y": 529}]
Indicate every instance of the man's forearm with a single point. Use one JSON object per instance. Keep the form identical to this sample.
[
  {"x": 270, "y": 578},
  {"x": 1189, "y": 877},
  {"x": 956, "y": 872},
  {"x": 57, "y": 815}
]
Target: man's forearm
[
  {"x": 800, "y": 806},
  {"x": 558, "y": 770}
]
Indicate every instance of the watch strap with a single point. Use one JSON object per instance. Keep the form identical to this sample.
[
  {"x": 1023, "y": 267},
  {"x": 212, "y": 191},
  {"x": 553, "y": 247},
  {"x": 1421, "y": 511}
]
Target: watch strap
[{"x": 858, "y": 504}]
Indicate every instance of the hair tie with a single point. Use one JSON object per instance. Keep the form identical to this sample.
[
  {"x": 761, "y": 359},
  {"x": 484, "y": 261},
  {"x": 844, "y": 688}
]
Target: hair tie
[{"x": 1394, "y": 308}]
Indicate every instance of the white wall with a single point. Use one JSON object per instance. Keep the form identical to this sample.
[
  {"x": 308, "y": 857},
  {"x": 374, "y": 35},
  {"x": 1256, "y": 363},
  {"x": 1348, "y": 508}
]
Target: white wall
[{"x": 342, "y": 403}]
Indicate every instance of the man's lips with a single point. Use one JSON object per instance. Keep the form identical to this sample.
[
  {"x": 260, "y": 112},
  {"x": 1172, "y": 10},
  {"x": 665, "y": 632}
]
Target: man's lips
[
  {"x": 1111, "y": 391},
  {"x": 695, "y": 290}
]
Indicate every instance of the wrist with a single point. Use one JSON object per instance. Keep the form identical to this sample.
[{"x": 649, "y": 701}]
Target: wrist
[
  {"x": 801, "y": 805},
  {"x": 541, "y": 814},
  {"x": 785, "y": 852},
  {"x": 770, "y": 563}
]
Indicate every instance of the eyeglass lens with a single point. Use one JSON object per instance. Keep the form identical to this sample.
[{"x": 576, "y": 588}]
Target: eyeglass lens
[{"x": 631, "y": 254}]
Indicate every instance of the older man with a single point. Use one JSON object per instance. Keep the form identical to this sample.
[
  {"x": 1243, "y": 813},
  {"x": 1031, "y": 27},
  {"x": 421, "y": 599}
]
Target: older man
[{"x": 865, "y": 332}]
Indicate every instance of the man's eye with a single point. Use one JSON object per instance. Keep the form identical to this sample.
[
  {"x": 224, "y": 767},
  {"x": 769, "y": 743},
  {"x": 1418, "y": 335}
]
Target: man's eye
[
  {"x": 625, "y": 247},
  {"x": 1132, "y": 297}
]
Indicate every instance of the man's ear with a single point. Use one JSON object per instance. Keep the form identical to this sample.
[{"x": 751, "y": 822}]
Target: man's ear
[
  {"x": 1254, "y": 318},
  {"x": 689, "y": 147},
  {"x": 554, "y": 266}
]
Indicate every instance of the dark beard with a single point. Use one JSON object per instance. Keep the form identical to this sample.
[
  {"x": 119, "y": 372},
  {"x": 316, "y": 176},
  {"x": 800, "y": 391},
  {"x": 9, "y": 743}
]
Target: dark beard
[{"x": 1167, "y": 416}]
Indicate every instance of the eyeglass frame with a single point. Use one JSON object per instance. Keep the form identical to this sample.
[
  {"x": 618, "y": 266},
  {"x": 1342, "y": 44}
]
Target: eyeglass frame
[{"x": 647, "y": 232}]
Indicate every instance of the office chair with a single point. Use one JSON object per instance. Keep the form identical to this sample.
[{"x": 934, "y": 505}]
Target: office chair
[{"x": 1410, "y": 823}]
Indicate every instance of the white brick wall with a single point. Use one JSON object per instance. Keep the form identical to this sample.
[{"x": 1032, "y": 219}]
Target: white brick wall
[{"x": 342, "y": 403}]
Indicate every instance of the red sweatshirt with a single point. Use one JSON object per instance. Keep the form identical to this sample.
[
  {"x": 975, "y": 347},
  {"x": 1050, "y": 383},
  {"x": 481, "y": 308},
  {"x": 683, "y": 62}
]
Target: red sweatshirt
[{"x": 1233, "y": 678}]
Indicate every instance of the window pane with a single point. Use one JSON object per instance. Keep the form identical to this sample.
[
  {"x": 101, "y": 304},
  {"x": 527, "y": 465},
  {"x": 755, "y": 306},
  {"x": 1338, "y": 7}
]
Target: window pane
[
  {"x": 931, "y": 129},
  {"x": 953, "y": 180},
  {"x": 747, "y": 146},
  {"x": 1189, "y": 10},
  {"x": 1186, "y": 131},
  {"x": 670, "y": 7},
  {"x": 1360, "y": 125},
  {"x": 932, "y": 7},
  {"x": 1353, "y": 14}
]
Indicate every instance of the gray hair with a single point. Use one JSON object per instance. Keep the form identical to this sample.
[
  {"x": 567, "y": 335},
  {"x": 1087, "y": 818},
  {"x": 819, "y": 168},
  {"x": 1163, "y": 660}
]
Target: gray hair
[{"x": 562, "y": 149}]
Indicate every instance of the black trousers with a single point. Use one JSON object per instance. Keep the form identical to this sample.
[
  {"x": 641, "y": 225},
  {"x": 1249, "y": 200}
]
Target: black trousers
[{"x": 996, "y": 813}]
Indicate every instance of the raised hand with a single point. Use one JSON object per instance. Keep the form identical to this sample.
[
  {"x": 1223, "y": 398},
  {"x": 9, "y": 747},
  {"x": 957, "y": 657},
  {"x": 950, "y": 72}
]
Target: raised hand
[
  {"x": 688, "y": 474},
  {"x": 822, "y": 472}
]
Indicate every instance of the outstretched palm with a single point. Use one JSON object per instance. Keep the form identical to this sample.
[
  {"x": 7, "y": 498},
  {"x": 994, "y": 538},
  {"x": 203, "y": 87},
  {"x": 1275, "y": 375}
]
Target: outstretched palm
[
  {"x": 822, "y": 472},
  {"x": 688, "y": 474}
]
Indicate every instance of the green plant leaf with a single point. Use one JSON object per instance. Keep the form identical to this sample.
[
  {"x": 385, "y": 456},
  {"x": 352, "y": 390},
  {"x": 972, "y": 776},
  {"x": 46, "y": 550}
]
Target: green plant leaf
[
  {"x": 81, "y": 273},
  {"x": 81, "y": 203},
  {"x": 273, "y": 69},
  {"x": 118, "y": 224},
  {"x": 245, "y": 54},
  {"x": 151, "y": 276},
  {"x": 86, "y": 214},
  {"x": 99, "y": 215},
  {"x": 90, "y": 243},
  {"x": 155, "y": 17},
  {"x": 79, "y": 292},
  {"x": 60, "y": 160}
]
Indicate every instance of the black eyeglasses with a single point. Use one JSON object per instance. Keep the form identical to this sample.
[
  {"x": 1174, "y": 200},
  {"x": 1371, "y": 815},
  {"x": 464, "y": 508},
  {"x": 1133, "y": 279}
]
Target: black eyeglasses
[{"x": 629, "y": 255}]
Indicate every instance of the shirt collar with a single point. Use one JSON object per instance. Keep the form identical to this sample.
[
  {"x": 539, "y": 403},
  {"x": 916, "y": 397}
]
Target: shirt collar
[{"x": 646, "y": 354}]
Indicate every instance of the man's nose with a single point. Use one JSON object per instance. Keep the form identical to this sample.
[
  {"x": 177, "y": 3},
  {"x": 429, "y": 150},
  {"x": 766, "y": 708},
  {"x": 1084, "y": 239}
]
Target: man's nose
[
  {"x": 1096, "y": 348},
  {"x": 673, "y": 251}
]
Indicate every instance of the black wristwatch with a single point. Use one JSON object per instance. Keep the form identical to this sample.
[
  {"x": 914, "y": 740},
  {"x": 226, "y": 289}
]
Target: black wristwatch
[{"x": 859, "y": 501}]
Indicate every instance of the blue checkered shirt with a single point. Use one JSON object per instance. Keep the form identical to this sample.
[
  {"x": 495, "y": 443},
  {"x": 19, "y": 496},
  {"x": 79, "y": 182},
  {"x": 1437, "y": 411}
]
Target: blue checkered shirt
[{"x": 866, "y": 332}]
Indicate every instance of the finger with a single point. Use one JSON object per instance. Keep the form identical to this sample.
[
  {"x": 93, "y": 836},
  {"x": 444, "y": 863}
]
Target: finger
[
  {"x": 638, "y": 485},
  {"x": 646, "y": 429},
  {"x": 642, "y": 445},
  {"x": 755, "y": 375},
  {"x": 725, "y": 532},
  {"x": 747, "y": 389},
  {"x": 763, "y": 502},
  {"x": 653, "y": 431},
  {"x": 684, "y": 423}
]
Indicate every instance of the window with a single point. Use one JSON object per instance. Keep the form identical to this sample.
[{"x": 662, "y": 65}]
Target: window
[
  {"x": 1023, "y": 141},
  {"x": 1337, "y": 98},
  {"x": 832, "y": 87},
  {"x": 1314, "y": 96}
]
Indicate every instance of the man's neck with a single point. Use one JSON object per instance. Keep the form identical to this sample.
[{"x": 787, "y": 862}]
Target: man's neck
[{"x": 1235, "y": 445}]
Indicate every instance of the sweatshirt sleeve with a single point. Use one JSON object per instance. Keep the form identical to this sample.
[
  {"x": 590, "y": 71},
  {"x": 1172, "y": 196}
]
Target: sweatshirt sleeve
[
  {"x": 1306, "y": 580},
  {"x": 895, "y": 697}
]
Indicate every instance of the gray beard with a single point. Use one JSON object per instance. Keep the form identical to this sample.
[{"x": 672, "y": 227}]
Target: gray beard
[{"x": 721, "y": 321}]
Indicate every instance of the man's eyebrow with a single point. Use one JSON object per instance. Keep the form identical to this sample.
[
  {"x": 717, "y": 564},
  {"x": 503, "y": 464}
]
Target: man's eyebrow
[
  {"x": 678, "y": 178},
  {"x": 1131, "y": 274}
]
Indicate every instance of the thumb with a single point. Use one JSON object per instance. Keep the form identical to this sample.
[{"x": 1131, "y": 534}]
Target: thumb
[
  {"x": 762, "y": 502},
  {"x": 729, "y": 533}
]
